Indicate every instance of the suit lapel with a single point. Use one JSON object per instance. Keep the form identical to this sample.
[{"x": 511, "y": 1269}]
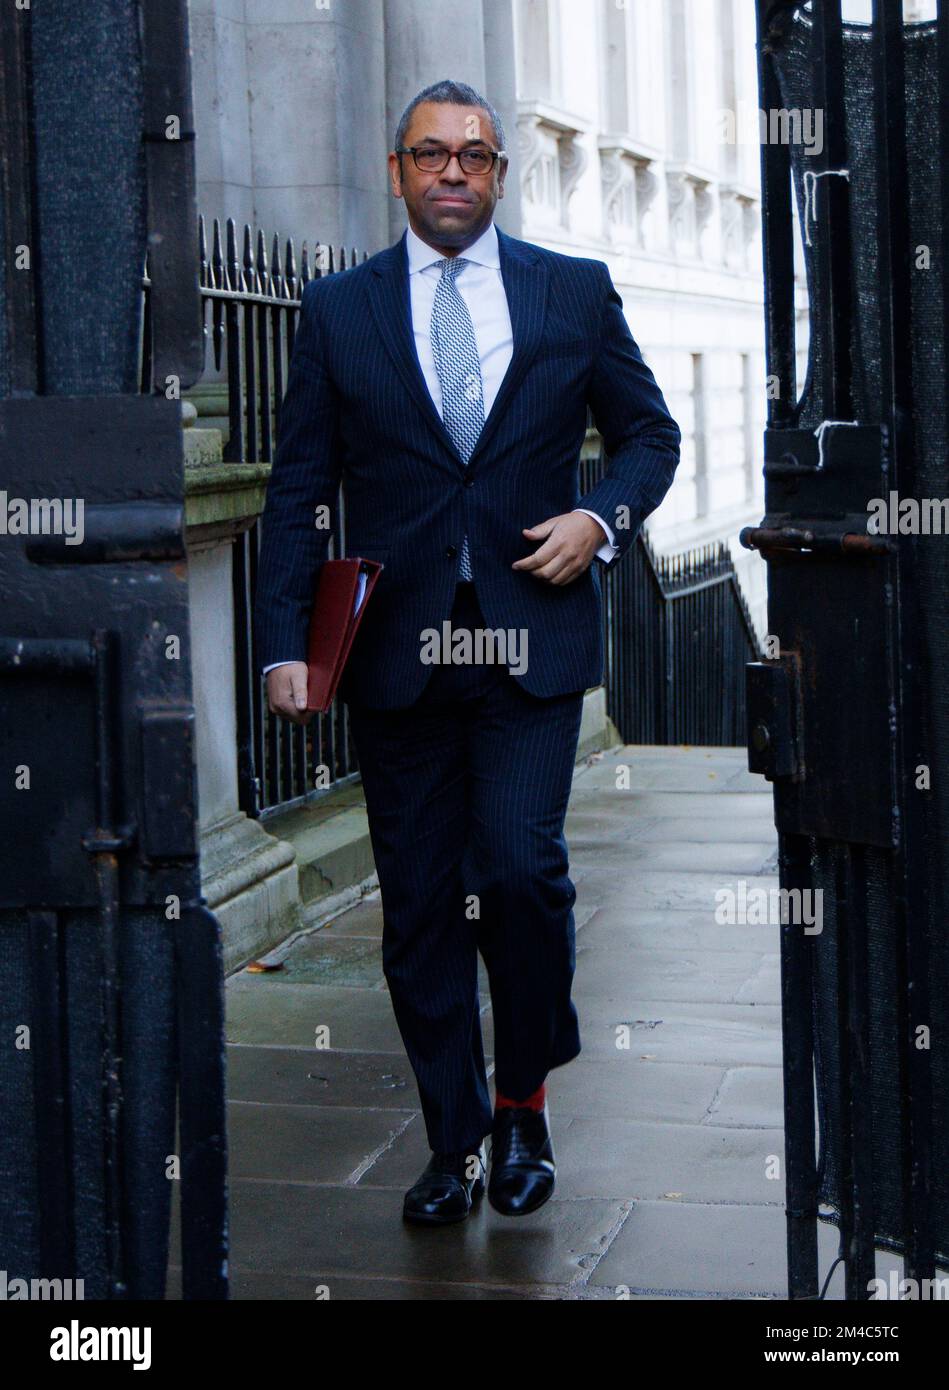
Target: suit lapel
[
  {"x": 525, "y": 278},
  {"x": 391, "y": 307}
]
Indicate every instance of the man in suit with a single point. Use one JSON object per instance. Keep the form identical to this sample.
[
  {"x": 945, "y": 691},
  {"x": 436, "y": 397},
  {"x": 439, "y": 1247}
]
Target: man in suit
[{"x": 445, "y": 383}]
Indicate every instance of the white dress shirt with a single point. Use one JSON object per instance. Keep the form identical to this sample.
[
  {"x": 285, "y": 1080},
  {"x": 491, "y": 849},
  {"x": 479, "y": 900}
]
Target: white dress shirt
[{"x": 482, "y": 288}]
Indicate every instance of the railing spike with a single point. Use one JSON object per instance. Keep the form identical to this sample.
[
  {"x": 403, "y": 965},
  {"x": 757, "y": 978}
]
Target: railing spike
[
  {"x": 202, "y": 252},
  {"x": 217, "y": 256},
  {"x": 250, "y": 273},
  {"x": 276, "y": 270},
  {"x": 304, "y": 265},
  {"x": 291, "y": 270},
  {"x": 263, "y": 269},
  {"x": 233, "y": 264}
]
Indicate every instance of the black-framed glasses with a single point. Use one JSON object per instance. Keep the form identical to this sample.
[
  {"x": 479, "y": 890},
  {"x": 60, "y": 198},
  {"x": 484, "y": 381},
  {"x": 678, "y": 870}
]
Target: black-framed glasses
[{"x": 433, "y": 159}]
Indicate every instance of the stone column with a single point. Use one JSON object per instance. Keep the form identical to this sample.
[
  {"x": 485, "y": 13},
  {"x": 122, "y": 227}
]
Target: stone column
[
  {"x": 221, "y": 109},
  {"x": 501, "y": 90},
  {"x": 315, "y": 81},
  {"x": 425, "y": 42}
]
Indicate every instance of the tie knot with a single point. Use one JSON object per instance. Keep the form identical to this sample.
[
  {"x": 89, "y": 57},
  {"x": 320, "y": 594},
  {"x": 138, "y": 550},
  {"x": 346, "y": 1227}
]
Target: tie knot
[{"x": 451, "y": 267}]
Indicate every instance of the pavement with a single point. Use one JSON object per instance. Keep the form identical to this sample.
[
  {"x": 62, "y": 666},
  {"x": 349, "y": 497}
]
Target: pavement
[{"x": 667, "y": 1128}]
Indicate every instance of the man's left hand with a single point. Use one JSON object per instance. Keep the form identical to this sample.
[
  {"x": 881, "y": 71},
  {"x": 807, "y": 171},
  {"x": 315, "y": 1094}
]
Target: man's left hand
[{"x": 570, "y": 543}]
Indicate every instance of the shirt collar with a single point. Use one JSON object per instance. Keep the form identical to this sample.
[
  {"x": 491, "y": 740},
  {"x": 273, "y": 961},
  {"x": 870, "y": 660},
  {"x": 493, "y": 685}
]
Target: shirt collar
[{"x": 484, "y": 251}]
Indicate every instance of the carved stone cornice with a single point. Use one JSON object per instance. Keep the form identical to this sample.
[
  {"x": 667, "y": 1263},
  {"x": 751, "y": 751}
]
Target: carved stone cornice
[
  {"x": 691, "y": 203},
  {"x": 553, "y": 159},
  {"x": 628, "y": 185}
]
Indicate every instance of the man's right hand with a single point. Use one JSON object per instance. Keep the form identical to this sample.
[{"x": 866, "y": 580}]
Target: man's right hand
[{"x": 286, "y": 692}]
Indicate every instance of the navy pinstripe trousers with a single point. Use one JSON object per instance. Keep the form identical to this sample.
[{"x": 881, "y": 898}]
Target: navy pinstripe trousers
[{"x": 466, "y": 793}]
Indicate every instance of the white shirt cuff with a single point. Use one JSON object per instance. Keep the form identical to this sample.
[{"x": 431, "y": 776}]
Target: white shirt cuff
[{"x": 608, "y": 549}]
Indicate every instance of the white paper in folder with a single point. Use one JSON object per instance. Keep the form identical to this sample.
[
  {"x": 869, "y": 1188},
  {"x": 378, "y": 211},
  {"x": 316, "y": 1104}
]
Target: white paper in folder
[{"x": 360, "y": 591}]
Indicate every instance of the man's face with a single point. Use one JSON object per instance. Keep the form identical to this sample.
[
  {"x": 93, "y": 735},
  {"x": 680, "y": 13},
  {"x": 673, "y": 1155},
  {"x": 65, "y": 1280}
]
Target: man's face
[{"x": 451, "y": 209}]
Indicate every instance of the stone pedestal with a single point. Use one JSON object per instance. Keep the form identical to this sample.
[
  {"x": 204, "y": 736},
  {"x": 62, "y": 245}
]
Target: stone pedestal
[{"x": 249, "y": 878}]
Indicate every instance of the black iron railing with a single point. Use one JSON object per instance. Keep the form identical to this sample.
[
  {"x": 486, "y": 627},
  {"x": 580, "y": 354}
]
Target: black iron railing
[
  {"x": 250, "y": 305},
  {"x": 677, "y": 633}
]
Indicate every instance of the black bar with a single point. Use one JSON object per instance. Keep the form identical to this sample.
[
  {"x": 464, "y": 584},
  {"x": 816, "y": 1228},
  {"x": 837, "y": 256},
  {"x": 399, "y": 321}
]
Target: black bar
[
  {"x": 798, "y": 1053},
  {"x": 107, "y": 876},
  {"x": 832, "y": 197},
  {"x": 776, "y": 234},
  {"x": 177, "y": 337},
  {"x": 53, "y": 654},
  {"x": 912, "y": 741},
  {"x": 21, "y": 356},
  {"x": 201, "y": 1092},
  {"x": 245, "y": 678},
  {"x": 116, "y": 532},
  {"x": 852, "y": 927},
  {"x": 251, "y": 312},
  {"x": 234, "y": 448},
  {"x": 50, "y": 1053}
]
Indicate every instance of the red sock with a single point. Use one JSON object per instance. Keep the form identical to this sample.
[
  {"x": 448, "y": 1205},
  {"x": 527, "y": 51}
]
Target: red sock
[{"x": 534, "y": 1102}]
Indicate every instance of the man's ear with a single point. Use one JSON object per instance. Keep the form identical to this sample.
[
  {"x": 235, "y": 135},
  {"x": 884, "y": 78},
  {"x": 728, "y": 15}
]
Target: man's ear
[{"x": 395, "y": 175}]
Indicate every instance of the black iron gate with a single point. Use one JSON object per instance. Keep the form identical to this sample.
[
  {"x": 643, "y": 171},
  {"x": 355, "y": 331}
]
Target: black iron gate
[
  {"x": 110, "y": 970},
  {"x": 851, "y": 720}
]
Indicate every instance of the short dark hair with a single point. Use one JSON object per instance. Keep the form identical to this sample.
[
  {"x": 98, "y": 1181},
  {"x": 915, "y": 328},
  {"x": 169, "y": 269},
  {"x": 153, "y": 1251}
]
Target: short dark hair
[{"x": 450, "y": 93}]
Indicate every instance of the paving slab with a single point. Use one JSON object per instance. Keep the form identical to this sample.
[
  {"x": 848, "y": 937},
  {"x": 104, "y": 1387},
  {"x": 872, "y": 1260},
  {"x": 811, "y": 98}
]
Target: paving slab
[
  {"x": 263, "y": 1010},
  {"x": 365, "y": 919},
  {"x": 615, "y": 882},
  {"x": 632, "y": 1160},
  {"x": 689, "y": 976},
  {"x": 624, "y": 1087},
  {"x": 724, "y": 856},
  {"x": 616, "y": 929},
  {"x": 320, "y": 1231},
  {"x": 644, "y": 805},
  {"x": 721, "y": 1251},
  {"x": 749, "y": 1096},
  {"x": 663, "y": 1031},
  {"x": 305, "y": 1076},
  {"x": 307, "y": 1143}
]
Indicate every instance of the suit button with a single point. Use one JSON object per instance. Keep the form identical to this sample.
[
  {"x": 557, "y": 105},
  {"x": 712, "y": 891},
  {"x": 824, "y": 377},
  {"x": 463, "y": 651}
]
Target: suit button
[
  {"x": 451, "y": 552},
  {"x": 469, "y": 482}
]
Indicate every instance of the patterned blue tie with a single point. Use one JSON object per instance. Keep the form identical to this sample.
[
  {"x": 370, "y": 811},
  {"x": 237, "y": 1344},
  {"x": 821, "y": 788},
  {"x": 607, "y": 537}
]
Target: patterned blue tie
[{"x": 459, "y": 371}]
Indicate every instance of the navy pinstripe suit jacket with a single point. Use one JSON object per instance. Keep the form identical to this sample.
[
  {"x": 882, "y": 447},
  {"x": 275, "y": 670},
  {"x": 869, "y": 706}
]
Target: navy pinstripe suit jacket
[{"x": 357, "y": 411}]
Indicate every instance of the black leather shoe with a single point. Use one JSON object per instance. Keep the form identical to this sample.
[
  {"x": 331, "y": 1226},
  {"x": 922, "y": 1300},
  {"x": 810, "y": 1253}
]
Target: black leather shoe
[
  {"x": 446, "y": 1191},
  {"x": 523, "y": 1170}
]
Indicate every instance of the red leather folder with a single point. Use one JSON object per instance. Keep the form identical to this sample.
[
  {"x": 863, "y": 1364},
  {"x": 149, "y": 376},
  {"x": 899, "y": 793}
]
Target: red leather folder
[{"x": 342, "y": 593}]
